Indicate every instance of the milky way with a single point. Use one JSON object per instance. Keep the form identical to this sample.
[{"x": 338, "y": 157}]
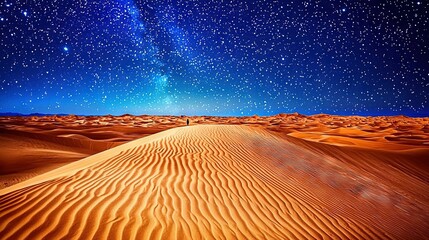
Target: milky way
[{"x": 213, "y": 57}]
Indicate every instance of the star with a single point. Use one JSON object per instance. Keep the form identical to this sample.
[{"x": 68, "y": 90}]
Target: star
[{"x": 251, "y": 57}]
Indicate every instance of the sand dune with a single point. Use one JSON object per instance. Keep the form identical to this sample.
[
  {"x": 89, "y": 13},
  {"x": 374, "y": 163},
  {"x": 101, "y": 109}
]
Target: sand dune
[
  {"x": 34, "y": 145},
  {"x": 24, "y": 155},
  {"x": 217, "y": 182}
]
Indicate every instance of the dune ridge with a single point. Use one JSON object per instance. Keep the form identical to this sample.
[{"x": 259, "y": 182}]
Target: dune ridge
[
  {"x": 24, "y": 155},
  {"x": 206, "y": 182}
]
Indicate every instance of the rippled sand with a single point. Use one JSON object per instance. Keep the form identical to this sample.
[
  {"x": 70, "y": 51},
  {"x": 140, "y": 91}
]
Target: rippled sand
[{"x": 223, "y": 182}]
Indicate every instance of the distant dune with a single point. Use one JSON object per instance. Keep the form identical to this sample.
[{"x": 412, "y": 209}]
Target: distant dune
[{"x": 225, "y": 182}]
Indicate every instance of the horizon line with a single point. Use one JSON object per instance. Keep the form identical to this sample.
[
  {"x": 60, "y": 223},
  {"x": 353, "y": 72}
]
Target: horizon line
[{"x": 38, "y": 114}]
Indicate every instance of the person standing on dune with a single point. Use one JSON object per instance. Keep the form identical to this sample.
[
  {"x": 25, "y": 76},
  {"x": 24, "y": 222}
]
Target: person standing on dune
[{"x": 187, "y": 122}]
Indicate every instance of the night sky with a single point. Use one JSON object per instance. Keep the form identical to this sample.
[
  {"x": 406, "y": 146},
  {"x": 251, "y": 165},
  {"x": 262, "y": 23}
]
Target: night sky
[{"x": 215, "y": 57}]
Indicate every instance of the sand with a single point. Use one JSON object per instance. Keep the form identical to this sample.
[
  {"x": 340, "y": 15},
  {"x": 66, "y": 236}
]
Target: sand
[
  {"x": 226, "y": 182},
  {"x": 34, "y": 145}
]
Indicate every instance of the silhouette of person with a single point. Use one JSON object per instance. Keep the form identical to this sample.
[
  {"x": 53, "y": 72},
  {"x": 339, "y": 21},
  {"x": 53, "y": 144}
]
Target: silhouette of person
[{"x": 187, "y": 122}]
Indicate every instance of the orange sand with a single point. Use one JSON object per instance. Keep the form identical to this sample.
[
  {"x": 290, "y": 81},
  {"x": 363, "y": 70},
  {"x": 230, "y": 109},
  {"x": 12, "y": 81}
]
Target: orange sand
[
  {"x": 285, "y": 177},
  {"x": 45, "y": 143}
]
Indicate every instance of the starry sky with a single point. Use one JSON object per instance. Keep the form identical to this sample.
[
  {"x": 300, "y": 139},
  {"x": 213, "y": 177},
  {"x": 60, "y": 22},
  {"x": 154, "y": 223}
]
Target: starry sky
[{"x": 215, "y": 57}]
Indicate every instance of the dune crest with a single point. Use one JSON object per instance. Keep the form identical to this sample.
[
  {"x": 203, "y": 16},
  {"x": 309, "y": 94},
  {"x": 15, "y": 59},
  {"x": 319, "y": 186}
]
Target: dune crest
[{"x": 208, "y": 182}]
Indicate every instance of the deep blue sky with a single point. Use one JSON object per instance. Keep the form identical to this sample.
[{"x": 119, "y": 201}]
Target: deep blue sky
[{"x": 212, "y": 57}]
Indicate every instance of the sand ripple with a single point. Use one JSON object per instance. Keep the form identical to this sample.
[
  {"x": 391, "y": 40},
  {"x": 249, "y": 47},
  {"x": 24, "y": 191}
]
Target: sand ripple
[{"x": 201, "y": 182}]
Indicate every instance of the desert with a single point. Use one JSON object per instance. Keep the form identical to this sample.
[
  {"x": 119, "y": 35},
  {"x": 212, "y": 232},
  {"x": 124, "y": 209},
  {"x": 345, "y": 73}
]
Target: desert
[
  {"x": 208, "y": 119},
  {"x": 287, "y": 176}
]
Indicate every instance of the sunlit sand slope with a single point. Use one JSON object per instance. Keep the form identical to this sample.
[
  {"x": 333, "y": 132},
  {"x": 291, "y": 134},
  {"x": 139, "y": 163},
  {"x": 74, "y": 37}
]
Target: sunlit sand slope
[
  {"x": 24, "y": 155},
  {"x": 207, "y": 182}
]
